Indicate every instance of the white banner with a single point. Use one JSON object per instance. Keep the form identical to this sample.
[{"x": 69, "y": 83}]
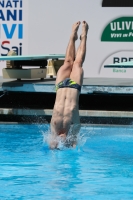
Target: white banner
[
  {"x": 45, "y": 28},
  {"x": 13, "y": 28}
]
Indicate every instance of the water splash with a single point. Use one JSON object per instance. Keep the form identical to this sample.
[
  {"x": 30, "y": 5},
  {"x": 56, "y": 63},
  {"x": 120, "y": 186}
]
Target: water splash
[{"x": 79, "y": 139}]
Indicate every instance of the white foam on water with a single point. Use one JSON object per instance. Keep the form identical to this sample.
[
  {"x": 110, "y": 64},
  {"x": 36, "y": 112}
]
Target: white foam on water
[{"x": 79, "y": 139}]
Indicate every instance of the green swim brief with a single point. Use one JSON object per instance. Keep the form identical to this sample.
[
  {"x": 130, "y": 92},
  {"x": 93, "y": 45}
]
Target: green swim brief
[{"x": 68, "y": 83}]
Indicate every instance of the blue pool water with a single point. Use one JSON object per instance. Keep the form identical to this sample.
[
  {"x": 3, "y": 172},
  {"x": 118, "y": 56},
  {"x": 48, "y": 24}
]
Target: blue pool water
[{"x": 101, "y": 167}]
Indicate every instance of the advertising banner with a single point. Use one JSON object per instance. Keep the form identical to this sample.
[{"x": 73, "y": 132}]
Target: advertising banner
[
  {"x": 13, "y": 27},
  {"x": 43, "y": 27},
  {"x": 117, "y": 31}
]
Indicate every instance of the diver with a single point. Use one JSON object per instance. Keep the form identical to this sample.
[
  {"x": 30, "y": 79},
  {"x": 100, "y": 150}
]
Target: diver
[{"x": 68, "y": 86}]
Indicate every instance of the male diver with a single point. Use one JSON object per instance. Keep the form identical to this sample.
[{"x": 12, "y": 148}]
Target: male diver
[{"x": 68, "y": 86}]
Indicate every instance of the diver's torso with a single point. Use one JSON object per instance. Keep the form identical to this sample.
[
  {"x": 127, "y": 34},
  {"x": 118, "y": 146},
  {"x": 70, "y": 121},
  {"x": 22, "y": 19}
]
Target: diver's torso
[{"x": 65, "y": 105}]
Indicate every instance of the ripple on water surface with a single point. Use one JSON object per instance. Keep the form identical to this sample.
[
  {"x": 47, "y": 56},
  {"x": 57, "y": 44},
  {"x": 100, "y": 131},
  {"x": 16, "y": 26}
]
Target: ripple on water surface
[{"x": 100, "y": 167}]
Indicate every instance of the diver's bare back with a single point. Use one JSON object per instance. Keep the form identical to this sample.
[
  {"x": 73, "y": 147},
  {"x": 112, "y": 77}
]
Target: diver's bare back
[{"x": 65, "y": 110}]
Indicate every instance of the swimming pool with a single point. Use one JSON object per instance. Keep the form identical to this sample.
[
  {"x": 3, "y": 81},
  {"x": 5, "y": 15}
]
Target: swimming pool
[{"x": 101, "y": 167}]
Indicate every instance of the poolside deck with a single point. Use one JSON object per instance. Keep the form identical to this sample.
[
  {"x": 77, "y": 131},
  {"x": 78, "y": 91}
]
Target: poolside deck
[
  {"x": 90, "y": 85},
  {"x": 102, "y": 100}
]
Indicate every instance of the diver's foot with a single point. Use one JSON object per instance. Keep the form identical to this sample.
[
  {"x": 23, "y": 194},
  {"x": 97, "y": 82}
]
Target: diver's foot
[
  {"x": 85, "y": 28},
  {"x": 75, "y": 28}
]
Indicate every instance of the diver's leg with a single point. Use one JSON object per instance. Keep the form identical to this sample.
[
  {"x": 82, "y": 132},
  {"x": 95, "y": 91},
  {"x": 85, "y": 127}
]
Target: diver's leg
[
  {"x": 77, "y": 71},
  {"x": 66, "y": 68}
]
